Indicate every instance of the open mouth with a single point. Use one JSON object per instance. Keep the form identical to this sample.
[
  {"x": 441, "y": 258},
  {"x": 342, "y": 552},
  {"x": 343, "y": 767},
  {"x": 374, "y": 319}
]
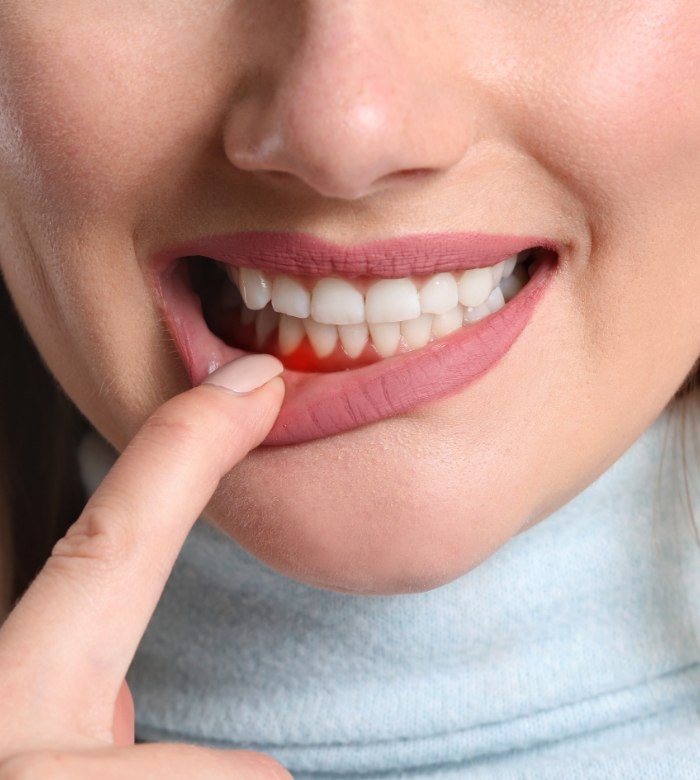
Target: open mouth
[
  {"x": 334, "y": 323},
  {"x": 357, "y": 347}
]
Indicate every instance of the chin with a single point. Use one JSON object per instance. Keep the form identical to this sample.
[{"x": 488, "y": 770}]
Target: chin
[{"x": 349, "y": 551}]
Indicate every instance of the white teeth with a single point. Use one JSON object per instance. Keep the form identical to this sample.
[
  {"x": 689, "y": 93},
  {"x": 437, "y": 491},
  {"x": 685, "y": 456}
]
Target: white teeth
[
  {"x": 416, "y": 333},
  {"x": 289, "y": 297},
  {"x": 291, "y": 333},
  {"x": 444, "y": 324},
  {"x": 476, "y": 313},
  {"x": 497, "y": 273},
  {"x": 495, "y": 301},
  {"x": 475, "y": 286},
  {"x": 386, "y": 337},
  {"x": 391, "y": 313},
  {"x": 509, "y": 265},
  {"x": 265, "y": 323},
  {"x": 391, "y": 301},
  {"x": 514, "y": 283},
  {"x": 255, "y": 288},
  {"x": 323, "y": 337},
  {"x": 353, "y": 338},
  {"x": 337, "y": 302},
  {"x": 439, "y": 294}
]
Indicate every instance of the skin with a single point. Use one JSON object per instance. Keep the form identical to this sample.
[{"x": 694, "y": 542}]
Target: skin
[
  {"x": 129, "y": 127},
  {"x": 66, "y": 646}
]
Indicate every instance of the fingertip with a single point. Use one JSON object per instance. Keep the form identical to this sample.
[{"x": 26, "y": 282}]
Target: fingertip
[
  {"x": 246, "y": 374},
  {"x": 260, "y": 765}
]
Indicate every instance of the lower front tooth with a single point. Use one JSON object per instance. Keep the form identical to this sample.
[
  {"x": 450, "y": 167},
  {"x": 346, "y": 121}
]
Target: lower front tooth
[
  {"x": 386, "y": 337},
  {"x": 416, "y": 333},
  {"x": 444, "y": 324},
  {"x": 353, "y": 338},
  {"x": 290, "y": 334},
  {"x": 476, "y": 313},
  {"x": 265, "y": 323},
  {"x": 323, "y": 337}
]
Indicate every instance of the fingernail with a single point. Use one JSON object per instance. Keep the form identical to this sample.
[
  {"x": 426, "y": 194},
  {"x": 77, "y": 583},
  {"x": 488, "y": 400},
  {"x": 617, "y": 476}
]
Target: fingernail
[{"x": 245, "y": 374}]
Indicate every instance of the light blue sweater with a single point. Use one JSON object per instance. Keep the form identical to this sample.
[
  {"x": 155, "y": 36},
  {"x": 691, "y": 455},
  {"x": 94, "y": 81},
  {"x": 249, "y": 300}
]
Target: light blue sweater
[{"x": 572, "y": 653}]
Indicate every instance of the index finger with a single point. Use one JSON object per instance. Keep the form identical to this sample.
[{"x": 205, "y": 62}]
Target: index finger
[{"x": 77, "y": 627}]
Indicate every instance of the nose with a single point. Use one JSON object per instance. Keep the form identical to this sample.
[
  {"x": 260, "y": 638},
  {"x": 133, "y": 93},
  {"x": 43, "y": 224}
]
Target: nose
[{"x": 356, "y": 102}]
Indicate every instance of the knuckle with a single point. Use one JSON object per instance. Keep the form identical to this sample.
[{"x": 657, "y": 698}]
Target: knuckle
[
  {"x": 36, "y": 766},
  {"x": 100, "y": 538},
  {"x": 170, "y": 426}
]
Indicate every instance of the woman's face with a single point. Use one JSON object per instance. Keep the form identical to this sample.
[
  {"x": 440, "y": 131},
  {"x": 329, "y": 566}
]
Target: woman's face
[{"x": 129, "y": 129}]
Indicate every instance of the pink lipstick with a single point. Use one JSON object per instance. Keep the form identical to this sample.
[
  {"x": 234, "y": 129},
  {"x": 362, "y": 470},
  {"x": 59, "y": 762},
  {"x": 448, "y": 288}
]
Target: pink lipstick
[{"x": 319, "y": 404}]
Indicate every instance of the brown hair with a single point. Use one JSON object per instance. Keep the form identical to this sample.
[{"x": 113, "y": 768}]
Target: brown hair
[{"x": 40, "y": 485}]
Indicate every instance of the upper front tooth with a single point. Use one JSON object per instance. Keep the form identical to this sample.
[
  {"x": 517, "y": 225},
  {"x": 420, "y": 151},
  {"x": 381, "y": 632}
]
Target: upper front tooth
[
  {"x": 289, "y": 297},
  {"x": 255, "y": 288},
  {"x": 475, "y": 286},
  {"x": 392, "y": 300},
  {"x": 290, "y": 334},
  {"x": 439, "y": 294},
  {"x": 337, "y": 302}
]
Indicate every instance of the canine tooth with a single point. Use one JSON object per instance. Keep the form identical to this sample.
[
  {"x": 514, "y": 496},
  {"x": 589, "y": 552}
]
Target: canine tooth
[
  {"x": 391, "y": 301},
  {"x": 386, "y": 337},
  {"x": 289, "y": 297},
  {"x": 513, "y": 284},
  {"x": 267, "y": 320},
  {"x": 509, "y": 265},
  {"x": 416, "y": 333},
  {"x": 476, "y": 313},
  {"x": 290, "y": 334},
  {"x": 255, "y": 288},
  {"x": 353, "y": 338},
  {"x": 439, "y": 294},
  {"x": 233, "y": 274},
  {"x": 495, "y": 301},
  {"x": 497, "y": 272},
  {"x": 475, "y": 286},
  {"x": 444, "y": 324},
  {"x": 323, "y": 337},
  {"x": 337, "y": 302}
]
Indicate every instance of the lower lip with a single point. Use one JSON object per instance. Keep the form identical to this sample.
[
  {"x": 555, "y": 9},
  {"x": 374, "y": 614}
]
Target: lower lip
[{"x": 317, "y": 405}]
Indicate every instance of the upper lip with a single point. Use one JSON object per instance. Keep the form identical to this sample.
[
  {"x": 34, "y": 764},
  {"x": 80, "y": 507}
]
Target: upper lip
[{"x": 304, "y": 254}]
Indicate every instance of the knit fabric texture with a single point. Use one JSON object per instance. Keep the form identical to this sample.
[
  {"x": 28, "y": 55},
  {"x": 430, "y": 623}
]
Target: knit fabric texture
[{"x": 573, "y": 652}]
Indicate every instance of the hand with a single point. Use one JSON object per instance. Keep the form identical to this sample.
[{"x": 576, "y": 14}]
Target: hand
[{"x": 65, "y": 710}]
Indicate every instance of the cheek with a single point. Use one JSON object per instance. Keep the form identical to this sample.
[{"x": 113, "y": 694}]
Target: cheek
[
  {"x": 626, "y": 122},
  {"x": 92, "y": 128},
  {"x": 102, "y": 103}
]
